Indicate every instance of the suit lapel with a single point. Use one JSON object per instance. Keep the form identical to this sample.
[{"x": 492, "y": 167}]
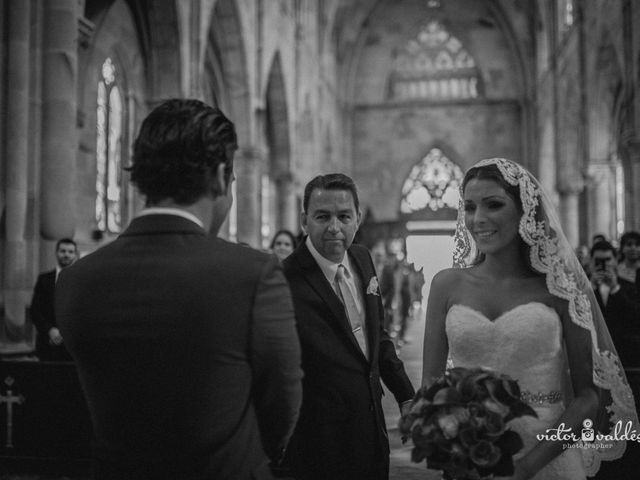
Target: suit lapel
[{"x": 319, "y": 283}]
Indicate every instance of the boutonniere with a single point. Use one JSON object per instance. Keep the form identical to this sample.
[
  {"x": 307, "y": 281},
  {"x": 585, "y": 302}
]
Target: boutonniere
[{"x": 373, "y": 289}]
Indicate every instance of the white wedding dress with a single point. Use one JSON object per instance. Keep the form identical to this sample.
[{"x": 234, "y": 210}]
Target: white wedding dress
[{"x": 526, "y": 344}]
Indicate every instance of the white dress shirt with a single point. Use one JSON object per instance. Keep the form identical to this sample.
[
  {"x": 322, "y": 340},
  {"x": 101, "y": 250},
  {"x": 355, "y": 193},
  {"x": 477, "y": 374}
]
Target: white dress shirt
[
  {"x": 171, "y": 211},
  {"x": 330, "y": 269}
]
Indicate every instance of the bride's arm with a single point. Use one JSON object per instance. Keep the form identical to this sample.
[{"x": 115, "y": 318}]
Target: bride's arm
[
  {"x": 584, "y": 404},
  {"x": 436, "y": 348}
]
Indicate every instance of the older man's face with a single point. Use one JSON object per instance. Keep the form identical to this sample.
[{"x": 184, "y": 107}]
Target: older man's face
[{"x": 331, "y": 221}]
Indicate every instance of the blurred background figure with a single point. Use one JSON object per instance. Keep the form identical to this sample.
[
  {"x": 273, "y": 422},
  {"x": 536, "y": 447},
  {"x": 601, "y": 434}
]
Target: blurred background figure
[
  {"x": 584, "y": 257},
  {"x": 598, "y": 237},
  {"x": 385, "y": 269},
  {"x": 283, "y": 244},
  {"x": 618, "y": 301},
  {"x": 49, "y": 343},
  {"x": 401, "y": 289},
  {"x": 630, "y": 259}
]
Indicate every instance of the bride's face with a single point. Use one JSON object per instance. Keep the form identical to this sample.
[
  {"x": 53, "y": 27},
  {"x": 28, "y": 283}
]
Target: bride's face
[{"x": 491, "y": 215}]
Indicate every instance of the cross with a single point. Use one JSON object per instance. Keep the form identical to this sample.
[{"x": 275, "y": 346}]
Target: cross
[{"x": 10, "y": 399}]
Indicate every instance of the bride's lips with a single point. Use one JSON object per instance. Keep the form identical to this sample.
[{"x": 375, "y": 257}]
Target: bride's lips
[{"x": 484, "y": 234}]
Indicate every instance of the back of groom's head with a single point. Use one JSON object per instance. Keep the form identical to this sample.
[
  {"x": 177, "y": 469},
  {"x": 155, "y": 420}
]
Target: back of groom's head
[{"x": 179, "y": 149}]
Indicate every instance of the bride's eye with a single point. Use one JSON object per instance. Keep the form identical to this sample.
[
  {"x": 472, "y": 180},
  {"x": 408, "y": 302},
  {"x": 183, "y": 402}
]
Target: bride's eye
[
  {"x": 469, "y": 207},
  {"x": 495, "y": 205}
]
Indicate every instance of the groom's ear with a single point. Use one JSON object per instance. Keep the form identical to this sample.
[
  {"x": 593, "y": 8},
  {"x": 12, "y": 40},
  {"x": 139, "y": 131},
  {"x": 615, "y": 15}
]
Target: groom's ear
[{"x": 221, "y": 181}]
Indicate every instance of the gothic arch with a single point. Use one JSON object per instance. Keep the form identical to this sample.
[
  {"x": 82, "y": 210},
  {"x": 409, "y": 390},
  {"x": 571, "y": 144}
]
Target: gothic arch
[
  {"x": 225, "y": 67},
  {"x": 386, "y": 135},
  {"x": 116, "y": 36}
]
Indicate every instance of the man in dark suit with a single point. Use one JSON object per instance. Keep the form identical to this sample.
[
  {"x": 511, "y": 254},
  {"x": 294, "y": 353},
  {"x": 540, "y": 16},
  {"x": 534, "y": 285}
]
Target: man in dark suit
[
  {"x": 345, "y": 351},
  {"x": 618, "y": 302},
  {"x": 49, "y": 342},
  {"x": 185, "y": 343}
]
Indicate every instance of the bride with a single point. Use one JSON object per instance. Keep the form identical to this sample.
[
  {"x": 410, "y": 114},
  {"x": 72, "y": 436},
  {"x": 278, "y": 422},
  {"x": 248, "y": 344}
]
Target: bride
[{"x": 518, "y": 302}]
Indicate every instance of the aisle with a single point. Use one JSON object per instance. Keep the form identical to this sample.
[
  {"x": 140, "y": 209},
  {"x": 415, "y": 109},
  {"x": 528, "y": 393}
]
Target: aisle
[{"x": 402, "y": 468}]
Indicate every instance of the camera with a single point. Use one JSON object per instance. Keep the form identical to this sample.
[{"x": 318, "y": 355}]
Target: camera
[{"x": 600, "y": 263}]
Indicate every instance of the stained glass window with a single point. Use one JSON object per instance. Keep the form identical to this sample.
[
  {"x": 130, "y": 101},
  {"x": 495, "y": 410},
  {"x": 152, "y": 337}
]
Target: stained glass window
[
  {"x": 109, "y": 124},
  {"x": 434, "y": 65},
  {"x": 433, "y": 183}
]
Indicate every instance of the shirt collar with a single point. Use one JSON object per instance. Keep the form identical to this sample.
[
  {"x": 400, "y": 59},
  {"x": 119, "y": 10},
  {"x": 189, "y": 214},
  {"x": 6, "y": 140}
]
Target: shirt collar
[
  {"x": 328, "y": 267},
  {"x": 171, "y": 211}
]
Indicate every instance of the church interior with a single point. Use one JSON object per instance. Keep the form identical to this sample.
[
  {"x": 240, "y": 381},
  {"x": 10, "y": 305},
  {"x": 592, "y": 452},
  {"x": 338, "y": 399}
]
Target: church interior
[{"x": 402, "y": 95}]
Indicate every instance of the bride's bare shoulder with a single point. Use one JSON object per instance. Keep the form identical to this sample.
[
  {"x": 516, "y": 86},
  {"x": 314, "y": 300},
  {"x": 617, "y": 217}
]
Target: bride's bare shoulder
[{"x": 449, "y": 277}]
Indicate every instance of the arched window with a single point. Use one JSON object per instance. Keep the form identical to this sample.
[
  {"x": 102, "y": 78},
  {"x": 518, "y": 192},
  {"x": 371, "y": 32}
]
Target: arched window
[
  {"x": 620, "y": 200},
  {"x": 109, "y": 133},
  {"x": 566, "y": 14},
  {"x": 432, "y": 183},
  {"x": 434, "y": 66}
]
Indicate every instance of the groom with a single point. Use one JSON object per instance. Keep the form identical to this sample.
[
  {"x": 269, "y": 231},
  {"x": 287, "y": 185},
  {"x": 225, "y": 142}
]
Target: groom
[
  {"x": 185, "y": 344},
  {"x": 345, "y": 351}
]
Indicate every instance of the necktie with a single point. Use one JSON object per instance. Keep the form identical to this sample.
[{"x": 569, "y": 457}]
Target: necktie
[{"x": 356, "y": 319}]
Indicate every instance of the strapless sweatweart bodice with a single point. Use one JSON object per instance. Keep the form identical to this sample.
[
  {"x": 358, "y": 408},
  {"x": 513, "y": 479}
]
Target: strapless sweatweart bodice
[{"x": 526, "y": 344}]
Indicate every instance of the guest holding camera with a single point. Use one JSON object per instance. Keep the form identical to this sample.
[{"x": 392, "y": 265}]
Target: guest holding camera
[
  {"x": 617, "y": 301},
  {"x": 630, "y": 259}
]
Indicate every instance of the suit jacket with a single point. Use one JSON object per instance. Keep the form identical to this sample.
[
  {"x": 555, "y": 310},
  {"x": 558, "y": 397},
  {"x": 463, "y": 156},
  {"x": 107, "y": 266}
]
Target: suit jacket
[
  {"x": 622, "y": 314},
  {"x": 186, "y": 350},
  {"x": 44, "y": 318},
  {"x": 341, "y": 430}
]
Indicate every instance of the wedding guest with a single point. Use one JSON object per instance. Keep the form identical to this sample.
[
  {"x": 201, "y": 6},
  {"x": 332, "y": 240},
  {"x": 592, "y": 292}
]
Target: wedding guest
[
  {"x": 385, "y": 268},
  {"x": 50, "y": 345},
  {"x": 618, "y": 301},
  {"x": 341, "y": 433},
  {"x": 584, "y": 257},
  {"x": 283, "y": 244},
  {"x": 629, "y": 257},
  {"x": 519, "y": 303},
  {"x": 598, "y": 237},
  {"x": 185, "y": 343}
]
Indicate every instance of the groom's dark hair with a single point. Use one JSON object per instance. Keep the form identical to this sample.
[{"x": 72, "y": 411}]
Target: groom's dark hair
[{"x": 178, "y": 150}]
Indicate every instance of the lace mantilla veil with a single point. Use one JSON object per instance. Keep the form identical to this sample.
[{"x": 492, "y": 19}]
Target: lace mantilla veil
[{"x": 552, "y": 255}]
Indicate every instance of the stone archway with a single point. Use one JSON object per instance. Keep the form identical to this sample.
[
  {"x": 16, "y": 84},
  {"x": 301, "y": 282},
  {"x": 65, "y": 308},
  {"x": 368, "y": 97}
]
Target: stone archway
[
  {"x": 388, "y": 132},
  {"x": 117, "y": 37},
  {"x": 606, "y": 122},
  {"x": 226, "y": 67}
]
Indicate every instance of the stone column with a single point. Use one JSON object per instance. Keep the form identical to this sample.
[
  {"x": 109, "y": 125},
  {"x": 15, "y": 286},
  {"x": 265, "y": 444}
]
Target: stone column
[
  {"x": 602, "y": 198},
  {"x": 569, "y": 214},
  {"x": 632, "y": 196},
  {"x": 59, "y": 133},
  {"x": 248, "y": 167},
  {"x": 16, "y": 180},
  {"x": 287, "y": 208}
]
